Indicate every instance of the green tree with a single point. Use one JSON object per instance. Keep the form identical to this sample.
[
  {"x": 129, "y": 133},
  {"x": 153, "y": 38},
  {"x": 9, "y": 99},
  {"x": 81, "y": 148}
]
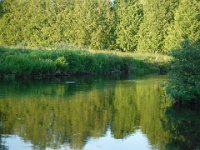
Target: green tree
[
  {"x": 158, "y": 15},
  {"x": 9, "y": 23},
  {"x": 102, "y": 33},
  {"x": 129, "y": 15},
  {"x": 185, "y": 25},
  {"x": 1, "y": 8},
  {"x": 92, "y": 26},
  {"x": 184, "y": 83}
]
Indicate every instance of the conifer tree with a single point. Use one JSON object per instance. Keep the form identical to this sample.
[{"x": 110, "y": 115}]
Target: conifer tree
[
  {"x": 102, "y": 33},
  {"x": 9, "y": 23},
  {"x": 158, "y": 15},
  {"x": 1, "y": 8},
  {"x": 185, "y": 26},
  {"x": 129, "y": 17},
  {"x": 143, "y": 25},
  {"x": 92, "y": 24}
]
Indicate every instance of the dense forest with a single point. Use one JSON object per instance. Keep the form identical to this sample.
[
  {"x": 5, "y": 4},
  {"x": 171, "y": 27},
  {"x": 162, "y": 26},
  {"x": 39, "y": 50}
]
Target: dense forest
[{"x": 128, "y": 25}]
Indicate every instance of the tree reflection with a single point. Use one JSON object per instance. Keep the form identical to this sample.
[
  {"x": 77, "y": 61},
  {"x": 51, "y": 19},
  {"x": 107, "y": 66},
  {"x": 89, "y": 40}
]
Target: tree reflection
[
  {"x": 125, "y": 117},
  {"x": 50, "y": 115},
  {"x": 183, "y": 128}
]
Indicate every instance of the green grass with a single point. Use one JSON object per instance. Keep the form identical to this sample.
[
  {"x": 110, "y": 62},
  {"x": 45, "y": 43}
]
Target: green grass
[{"x": 27, "y": 63}]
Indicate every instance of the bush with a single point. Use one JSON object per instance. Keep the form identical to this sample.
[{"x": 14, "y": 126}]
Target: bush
[{"x": 184, "y": 82}]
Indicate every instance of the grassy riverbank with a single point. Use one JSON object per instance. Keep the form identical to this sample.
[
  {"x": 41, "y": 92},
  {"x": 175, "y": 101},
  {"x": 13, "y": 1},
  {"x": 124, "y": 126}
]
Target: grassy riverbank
[{"x": 26, "y": 63}]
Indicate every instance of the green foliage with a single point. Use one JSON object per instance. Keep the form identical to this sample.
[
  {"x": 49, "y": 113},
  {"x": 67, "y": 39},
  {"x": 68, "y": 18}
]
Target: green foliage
[
  {"x": 158, "y": 15},
  {"x": 28, "y": 63},
  {"x": 184, "y": 84},
  {"x": 1, "y": 9},
  {"x": 61, "y": 63},
  {"x": 186, "y": 24},
  {"x": 49, "y": 23},
  {"x": 129, "y": 17},
  {"x": 23, "y": 65},
  {"x": 154, "y": 26}
]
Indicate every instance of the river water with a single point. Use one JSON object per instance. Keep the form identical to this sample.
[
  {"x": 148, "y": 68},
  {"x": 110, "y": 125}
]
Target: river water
[{"x": 94, "y": 114}]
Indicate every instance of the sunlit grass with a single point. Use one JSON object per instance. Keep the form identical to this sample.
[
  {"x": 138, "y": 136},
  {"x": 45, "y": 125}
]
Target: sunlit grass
[{"x": 29, "y": 62}]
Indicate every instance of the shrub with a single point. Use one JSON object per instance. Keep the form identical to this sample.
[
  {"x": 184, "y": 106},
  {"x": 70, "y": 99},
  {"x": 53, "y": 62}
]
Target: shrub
[
  {"x": 184, "y": 82},
  {"x": 61, "y": 63}
]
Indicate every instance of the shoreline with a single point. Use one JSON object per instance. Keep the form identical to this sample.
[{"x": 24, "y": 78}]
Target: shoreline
[{"x": 40, "y": 64}]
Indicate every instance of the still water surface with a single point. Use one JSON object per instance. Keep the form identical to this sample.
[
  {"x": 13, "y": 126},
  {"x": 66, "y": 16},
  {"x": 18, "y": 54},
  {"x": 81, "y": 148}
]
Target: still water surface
[{"x": 94, "y": 114}]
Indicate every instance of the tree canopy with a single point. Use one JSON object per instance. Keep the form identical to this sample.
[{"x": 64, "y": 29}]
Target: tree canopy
[{"x": 128, "y": 25}]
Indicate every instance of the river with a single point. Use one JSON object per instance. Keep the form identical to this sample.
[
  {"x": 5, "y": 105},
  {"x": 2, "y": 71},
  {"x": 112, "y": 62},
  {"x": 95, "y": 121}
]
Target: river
[{"x": 94, "y": 114}]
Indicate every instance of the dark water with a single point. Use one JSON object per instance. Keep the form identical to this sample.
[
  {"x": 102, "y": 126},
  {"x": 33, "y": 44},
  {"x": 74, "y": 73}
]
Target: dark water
[{"x": 94, "y": 114}]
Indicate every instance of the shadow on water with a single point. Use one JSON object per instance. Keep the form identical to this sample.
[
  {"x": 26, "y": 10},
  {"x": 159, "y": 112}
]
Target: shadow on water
[
  {"x": 182, "y": 126},
  {"x": 56, "y": 113}
]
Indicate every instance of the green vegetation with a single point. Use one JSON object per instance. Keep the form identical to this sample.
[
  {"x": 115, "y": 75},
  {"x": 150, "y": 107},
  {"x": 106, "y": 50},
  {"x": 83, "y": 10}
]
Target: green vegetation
[
  {"x": 42, "y": 63},
  {"x": 139, "y": 26},
  {"x": 154, "y": 26},
  {"x": 186, "y": 24},
  {"x": 39, "y": 23},
  {"x": 184, "y": 84},
  {"x": 158, "y": 16},
  {"x": 129, "y": 15}
]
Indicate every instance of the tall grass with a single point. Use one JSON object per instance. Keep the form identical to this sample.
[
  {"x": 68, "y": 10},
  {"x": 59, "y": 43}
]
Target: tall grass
[{"x": 41, "y": 63}]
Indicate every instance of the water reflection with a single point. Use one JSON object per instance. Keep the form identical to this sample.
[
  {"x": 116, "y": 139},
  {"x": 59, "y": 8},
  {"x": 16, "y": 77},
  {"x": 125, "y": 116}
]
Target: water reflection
[
  {"x": 182, "y": 126},
  {"x": 78, "y": 115}
]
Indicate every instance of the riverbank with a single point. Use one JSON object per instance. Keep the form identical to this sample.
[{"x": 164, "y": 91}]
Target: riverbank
[{"x": 27, "y": 63}]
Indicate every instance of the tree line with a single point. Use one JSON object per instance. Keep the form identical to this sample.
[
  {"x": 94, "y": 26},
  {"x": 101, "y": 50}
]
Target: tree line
[{"x": 128, "y": 25}]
